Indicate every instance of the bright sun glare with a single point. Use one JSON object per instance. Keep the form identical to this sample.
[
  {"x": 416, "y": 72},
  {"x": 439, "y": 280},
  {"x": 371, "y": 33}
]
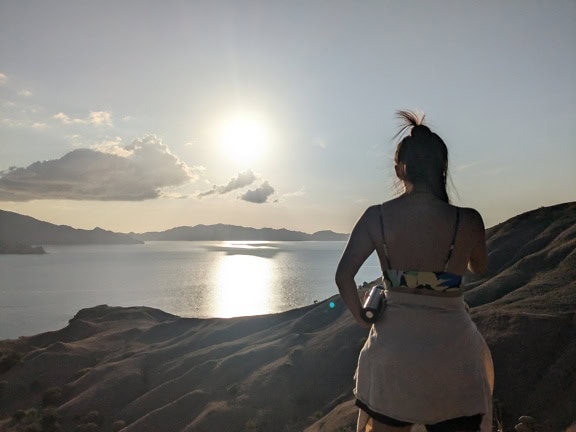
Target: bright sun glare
[
  {"x": 244, "y": 286},
  {"x": 243, "y": 138}
]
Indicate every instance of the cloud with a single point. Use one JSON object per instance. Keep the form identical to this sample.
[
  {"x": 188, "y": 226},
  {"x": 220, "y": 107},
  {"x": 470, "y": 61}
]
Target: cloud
[
  {"x": 111, "y": 146},
  {"x": 67, "y": 120},
  {"x": 25, "y": 93},
  {"x": 98, "y": 118},
  {"x": 210, "y": 192},
  {"x": 135, "y": 172},
  {"x": 243, "y": 179},
  {"x": 259, "y": 195},
  {"x": 299, "y": 192},
  {"x": 3, "y": 79},
  {"x": 95, "y": 118},
  {"x": 466, "y": 166},
  {"x": 13, "y": 123}
]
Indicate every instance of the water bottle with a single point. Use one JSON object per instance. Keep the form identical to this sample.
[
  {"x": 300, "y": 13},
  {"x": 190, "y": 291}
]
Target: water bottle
[{"x": 373, "y": 304}]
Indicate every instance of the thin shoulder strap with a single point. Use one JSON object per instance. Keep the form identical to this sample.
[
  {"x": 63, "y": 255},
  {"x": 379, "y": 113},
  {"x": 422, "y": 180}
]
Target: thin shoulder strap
[
  {"x": 384, "y": 239},
  {"x": 453, "y": 239}
]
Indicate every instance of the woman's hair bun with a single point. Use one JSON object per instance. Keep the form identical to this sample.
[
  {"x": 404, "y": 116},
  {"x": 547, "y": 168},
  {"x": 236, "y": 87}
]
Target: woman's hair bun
[
  {"x": 420, "y": 130},
  {"x": 413, "y": 121}
]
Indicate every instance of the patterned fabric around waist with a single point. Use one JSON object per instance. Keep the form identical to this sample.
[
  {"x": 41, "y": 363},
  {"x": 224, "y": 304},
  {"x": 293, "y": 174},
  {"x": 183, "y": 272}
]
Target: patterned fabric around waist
[{"x": 437, "y": 281}]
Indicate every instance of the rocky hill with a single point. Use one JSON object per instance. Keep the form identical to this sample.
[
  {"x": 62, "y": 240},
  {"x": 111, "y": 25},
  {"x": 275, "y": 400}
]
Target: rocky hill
[
  {"x": 140, "y": 369},
  {"x": 17, "y": 229},
  {"x": 526, "y": 307}
]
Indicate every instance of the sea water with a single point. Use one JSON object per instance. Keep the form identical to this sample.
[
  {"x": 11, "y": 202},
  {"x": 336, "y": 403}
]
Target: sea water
[{"x": 39, "y": 293}]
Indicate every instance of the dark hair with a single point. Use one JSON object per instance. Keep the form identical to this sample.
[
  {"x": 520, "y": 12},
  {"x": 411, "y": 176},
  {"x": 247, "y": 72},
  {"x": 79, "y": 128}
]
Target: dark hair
[{"x": 424, "y": 154}]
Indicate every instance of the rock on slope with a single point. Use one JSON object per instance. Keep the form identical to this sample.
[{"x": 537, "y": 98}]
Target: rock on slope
[{"x": 144, "y": 370}]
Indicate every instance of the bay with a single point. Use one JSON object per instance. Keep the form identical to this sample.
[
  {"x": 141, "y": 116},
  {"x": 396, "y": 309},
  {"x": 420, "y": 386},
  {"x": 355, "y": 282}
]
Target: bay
[{"x": 40, "y": 293}]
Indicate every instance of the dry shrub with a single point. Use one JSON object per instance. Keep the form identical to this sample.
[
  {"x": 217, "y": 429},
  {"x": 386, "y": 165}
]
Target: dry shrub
[
  {"x": 8, "y": 359},
  {"x": 118, "y": 425},
  {"x": 93, "y": 417},
  {"x": 88, "y": 427},
  {"x": 51, "y": 396}
]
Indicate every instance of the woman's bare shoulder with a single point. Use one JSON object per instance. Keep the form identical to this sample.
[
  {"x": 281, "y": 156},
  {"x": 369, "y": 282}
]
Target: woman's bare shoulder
[
  {"x": 371, "y": 215},
  {"x": 375, "y": 212},
  {"x": 390, "y": 204},
  {"x": 472, "y": 217},
  {"x": 371, "y": 219}
]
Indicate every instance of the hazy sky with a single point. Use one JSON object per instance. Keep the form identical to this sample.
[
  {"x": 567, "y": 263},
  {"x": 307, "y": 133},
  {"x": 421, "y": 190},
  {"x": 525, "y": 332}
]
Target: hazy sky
[{"x": 145, "y": 115}]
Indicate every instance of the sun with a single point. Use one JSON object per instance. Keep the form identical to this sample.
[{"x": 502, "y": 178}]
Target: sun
[{"x": 243, "y": 138}]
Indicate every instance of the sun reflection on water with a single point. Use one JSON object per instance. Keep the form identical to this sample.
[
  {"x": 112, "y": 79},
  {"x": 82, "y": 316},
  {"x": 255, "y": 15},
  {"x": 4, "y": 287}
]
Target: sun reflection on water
[{"x": 243, "y": 286}]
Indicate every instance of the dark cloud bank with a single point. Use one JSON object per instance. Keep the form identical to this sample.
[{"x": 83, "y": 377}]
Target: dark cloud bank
[
  {"x": 135, "y": 172},
  {"x": 258, "y": 196},
  {"x": 243, "y": 179}
]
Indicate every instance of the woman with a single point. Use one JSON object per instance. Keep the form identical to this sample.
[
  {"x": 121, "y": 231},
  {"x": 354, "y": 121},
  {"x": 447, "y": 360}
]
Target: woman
[{"x": 424, "y": 361}]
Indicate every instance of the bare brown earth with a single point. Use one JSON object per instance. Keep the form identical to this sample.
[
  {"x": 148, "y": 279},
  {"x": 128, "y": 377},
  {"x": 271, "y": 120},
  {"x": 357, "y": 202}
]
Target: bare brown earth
[{"x": 140, "y": 369}]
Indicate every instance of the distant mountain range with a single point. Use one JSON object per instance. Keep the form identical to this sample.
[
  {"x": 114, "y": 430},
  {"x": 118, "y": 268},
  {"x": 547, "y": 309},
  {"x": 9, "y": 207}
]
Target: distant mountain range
[
  {"x": 19, "y": 232},
  {"x": 223, "y": 232}
]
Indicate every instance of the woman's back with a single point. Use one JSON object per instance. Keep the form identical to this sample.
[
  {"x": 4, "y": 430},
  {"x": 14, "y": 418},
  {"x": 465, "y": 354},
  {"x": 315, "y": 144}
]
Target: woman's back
[{"x": 419, "y": 229}]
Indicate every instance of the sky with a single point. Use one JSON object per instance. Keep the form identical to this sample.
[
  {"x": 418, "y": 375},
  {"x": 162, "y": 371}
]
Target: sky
[{"x": 143, "y": 115}]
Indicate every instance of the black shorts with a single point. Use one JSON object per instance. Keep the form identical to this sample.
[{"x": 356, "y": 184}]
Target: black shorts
[{"x": 459, "y": 424}]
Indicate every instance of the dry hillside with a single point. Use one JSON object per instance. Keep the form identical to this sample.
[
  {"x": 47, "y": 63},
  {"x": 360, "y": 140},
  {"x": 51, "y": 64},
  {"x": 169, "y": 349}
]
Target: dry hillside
[{"x": 140, "y": 369}]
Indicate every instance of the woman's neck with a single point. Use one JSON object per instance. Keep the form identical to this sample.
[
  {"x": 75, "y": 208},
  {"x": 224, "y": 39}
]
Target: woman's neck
[{"x": 409, "y": 189}]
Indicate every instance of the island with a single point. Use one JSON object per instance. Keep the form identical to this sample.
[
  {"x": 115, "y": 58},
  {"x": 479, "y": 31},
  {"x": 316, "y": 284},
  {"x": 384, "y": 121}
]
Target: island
[{"x": 20, "y": 249}]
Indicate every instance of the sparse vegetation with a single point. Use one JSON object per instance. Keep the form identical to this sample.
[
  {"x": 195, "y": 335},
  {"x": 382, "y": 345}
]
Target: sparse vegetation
[
  {"x": 233, "y": 389},
  {"x": 316, "y": 416},
  {"x": 33, "y": 420},
  {"x": 251, "y": 426},
  {"x": 93, "y": 417},
  {"x": 35, "y": 386},
  {"x": 33, "y": 427},
  {"x": 18, "y": 416},
  {"x": 88, "y": 427},
  {"x": 81, "y": 372},
  {"x": 497, "y": 424},
  {"x": 51, "y": 396},
  {"x": 8, "y": 359},
  {"x": 526, "y": 424},
  {"x": 49, "y": 421},
  {"x": 117, "y": 425}
]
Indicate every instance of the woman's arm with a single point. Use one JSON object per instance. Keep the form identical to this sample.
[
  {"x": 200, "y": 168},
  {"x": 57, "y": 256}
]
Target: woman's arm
[
  {"x": 478, "y": 256},
  {"x": 359, "y": 247}
]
